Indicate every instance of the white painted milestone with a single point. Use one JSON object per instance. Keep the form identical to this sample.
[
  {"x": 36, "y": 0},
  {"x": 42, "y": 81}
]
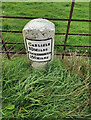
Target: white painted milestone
[
  {"x": 40, "y": 50},
  {"x": 39, "y": 41}
]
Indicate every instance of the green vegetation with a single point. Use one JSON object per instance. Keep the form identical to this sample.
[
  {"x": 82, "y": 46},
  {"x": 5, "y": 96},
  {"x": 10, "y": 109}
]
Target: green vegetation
[
  {"x": 59, "y": 91},
  {"x": 47, "y": 10}
]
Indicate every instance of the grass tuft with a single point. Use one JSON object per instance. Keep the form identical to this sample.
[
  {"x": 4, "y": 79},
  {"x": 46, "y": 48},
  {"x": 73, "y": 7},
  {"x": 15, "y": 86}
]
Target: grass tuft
[{"x": 53, "y": 93}]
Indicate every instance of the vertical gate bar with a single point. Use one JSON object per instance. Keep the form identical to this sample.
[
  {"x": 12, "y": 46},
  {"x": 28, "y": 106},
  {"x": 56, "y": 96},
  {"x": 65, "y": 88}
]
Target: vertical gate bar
[
  {"x": 69, "y": 21},
  {"x": 4, "y": 46}
]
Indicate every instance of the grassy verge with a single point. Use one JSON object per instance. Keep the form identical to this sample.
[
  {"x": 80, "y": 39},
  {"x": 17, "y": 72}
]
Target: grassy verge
[{"x": 54, "y": 93}]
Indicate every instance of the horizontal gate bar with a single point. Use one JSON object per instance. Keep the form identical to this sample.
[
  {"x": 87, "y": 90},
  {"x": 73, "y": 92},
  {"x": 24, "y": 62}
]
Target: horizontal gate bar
[
  {"x": 73, "y": 34},
  {"x": 11, "y": 43},
  {"x": 55, "y": 33},
  {"x": 11, "y": 31},
  {"x": 45, "y": 18},
  {"x": 13, "y": 52},
  {"x": 72, "y": 45},
  {"x": 55, "y": 44},
  {"x": 54, "y": 54}
]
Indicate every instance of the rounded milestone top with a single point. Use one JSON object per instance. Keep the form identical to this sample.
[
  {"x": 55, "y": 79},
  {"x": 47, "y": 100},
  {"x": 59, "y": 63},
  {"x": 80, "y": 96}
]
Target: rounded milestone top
[
  {"x": 39, "y": 29},
  {"x": 39, "y": 23}
]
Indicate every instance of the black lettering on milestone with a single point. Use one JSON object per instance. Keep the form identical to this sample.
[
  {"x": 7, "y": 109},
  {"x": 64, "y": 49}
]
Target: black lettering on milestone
[
  {"x": 48, "y": 44},
  {"x": 34, "y": 57},
  {"x": 37, "y": 57},
  {"x": 38, "y": 45},
  {"x": 29, "y": 48},
  {"x": 35, "y": 49},
  {"x": 46, "y": 49},
  {"x": 44, "y": 57},
  {"x": 47, "y": 57},
  {"x": 31, "y": 56},
  {"x": 43, "y": 45},
  {"x": 29, "y": 43},
  {"x": 35, "y": 45},
  {"x": 32, "y": 45},
  {"x": 43, "y": 49}
]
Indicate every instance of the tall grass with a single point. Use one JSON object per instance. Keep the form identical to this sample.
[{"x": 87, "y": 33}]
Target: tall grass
[{"x": 53, "y": 93}]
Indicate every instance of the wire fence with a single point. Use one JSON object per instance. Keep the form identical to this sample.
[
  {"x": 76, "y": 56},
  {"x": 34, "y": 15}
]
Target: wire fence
[{"x": 8, "y": 52}]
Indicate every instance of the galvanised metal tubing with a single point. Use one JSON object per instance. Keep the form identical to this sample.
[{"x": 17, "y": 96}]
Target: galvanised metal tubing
[{"x": 16, "y": 17}]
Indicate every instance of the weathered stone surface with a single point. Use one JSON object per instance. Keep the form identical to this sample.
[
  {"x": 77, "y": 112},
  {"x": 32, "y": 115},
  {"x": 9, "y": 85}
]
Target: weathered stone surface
[{"x": 38, "y": 33}]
